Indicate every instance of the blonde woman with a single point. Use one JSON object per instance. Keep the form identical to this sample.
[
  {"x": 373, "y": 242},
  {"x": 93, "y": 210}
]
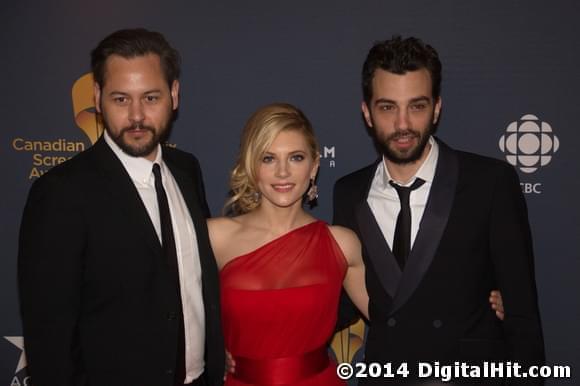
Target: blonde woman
[{"x": 281, "y": 269}]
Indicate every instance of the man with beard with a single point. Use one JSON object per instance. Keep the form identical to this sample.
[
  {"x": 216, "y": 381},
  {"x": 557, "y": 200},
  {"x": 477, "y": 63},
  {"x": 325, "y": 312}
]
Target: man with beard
[
  {"x": 118, "y": 284},
  {"x": 440, "y": 229}
]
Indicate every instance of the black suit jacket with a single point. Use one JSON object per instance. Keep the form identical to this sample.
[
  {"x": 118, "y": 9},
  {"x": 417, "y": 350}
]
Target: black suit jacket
[
  {"x": 474, "y": 237},
  {"x": 97, "y": 300}
]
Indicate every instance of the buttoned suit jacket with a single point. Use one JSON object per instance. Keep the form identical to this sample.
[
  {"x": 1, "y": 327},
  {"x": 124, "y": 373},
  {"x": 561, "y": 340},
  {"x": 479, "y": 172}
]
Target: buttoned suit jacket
[
  {"x": 98, "y": 301},
  {"x": 473, "y": 237}
]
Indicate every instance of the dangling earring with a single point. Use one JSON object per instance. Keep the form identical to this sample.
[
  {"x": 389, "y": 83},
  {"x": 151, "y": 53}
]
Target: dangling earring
[
  {"x": 312, "y": 193},
  {"x": 256, "y": 197}
]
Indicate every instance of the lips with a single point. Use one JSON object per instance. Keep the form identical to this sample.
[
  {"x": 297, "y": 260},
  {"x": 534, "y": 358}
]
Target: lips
[
  {"x": 404, "y": 139},
  {"x": 283, "y": 188}
]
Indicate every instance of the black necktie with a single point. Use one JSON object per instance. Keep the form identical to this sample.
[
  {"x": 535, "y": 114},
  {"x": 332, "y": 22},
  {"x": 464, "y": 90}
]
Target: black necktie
[
  {"x": 402, "y": 239},
  {"x": 168, "y": 241}
]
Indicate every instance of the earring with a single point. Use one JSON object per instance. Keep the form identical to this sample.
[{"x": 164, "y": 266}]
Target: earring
[
  {"x": 312, "y": 193},
  {"x": 256, "y": 197}
]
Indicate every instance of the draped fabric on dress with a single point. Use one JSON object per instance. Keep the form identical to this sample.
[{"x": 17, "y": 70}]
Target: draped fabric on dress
[{"x": 279, "y": 307}]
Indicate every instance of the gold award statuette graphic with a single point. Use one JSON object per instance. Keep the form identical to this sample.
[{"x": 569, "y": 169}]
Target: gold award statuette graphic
[
  {"x": 346, "y": 343},
  {"x": 83, "y": 101}
]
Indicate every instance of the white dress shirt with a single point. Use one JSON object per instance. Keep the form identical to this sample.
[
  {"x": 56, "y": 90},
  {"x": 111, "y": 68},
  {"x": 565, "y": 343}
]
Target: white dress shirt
[
  {"x": 141, "y": 172},
  {"x": 384, "y": 200}
]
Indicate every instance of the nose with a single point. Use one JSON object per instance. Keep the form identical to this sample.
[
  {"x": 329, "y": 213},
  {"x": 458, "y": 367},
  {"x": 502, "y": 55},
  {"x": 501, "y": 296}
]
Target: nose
[
  {"x": 136, "y": 113},
  {"x": 282, "y": 169},
  {"x": 402, "y": 120}
]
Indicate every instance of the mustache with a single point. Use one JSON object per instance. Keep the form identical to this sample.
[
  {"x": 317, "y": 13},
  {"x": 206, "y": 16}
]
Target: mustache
[
  {"x": 403, "y": 134},
  {"x": 136, "y": 126}
]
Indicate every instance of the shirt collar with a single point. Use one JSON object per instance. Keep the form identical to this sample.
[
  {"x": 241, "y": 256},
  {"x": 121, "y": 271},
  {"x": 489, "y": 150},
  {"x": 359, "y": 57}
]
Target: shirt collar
[
  {"x": 139, "y": 168},
  {"x": 425, "y": 172}
]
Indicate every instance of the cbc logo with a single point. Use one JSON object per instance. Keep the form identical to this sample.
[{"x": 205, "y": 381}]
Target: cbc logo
[{"x": 529, "y": 143}]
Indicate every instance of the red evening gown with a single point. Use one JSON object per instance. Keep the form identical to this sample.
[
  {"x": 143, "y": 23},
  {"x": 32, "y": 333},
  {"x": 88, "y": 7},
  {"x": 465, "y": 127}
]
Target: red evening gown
[{"x": 279, "y": 309}]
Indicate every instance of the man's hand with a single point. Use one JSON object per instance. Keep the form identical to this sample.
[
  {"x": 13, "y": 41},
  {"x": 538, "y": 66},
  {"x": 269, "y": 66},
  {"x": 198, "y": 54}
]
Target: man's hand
[
  {"x": 230, "y": 364},
  {"x": 497, "y": 304}
]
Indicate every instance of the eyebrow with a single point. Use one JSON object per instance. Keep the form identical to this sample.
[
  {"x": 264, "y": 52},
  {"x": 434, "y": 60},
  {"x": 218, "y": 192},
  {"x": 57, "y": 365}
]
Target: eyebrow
[
  {"x": 154, "y": 91},
  {"x": 421, "y": 98},
  {"x": 290, "y": 152}
]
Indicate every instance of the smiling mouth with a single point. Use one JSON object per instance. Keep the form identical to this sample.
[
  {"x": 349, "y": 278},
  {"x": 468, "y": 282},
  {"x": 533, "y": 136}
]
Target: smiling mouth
[{"x": 282, "y": 188}]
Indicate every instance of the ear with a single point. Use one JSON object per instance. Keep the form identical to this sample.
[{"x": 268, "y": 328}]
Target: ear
[
  {"x": 366, "y": 113},
  {"x": 437, "y": 110},
  {"x": 315, "y": 167},
  {"x": 175, "y": 94},
  {"x": 97, "y": 96}
]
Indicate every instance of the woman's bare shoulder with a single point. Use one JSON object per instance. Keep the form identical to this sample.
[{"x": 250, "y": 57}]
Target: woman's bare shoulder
[
  {"x": 347, "y": 241},
  {"x": 223, "y": 227},
  {"x": 342, "y": 233},
  {"x": 221, "y": 221}
]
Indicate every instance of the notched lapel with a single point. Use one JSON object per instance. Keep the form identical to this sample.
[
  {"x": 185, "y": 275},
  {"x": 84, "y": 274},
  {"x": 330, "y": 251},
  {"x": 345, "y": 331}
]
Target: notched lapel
[
  {"x": 432, "y": 225},
  {"x": 123, "y": 191}
]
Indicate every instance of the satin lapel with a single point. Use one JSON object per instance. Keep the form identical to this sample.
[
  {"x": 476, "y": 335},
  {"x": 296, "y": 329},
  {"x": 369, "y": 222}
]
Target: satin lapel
[
  {"x": 432, "y": 225},
  {"x": 377, "y": 249},
  {"x": 372, "y": 238},
  {"x": 124, "y": 193}
]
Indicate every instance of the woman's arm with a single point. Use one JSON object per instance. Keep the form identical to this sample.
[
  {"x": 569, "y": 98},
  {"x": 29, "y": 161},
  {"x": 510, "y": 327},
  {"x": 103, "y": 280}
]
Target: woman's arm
[{"x": 354, "y": 281}]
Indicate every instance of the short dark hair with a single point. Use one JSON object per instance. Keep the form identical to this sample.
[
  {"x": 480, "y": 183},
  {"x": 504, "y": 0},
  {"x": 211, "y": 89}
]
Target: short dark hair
[
  {"x": 130, "y": 43},
  {"x": 399, "y": 56}
]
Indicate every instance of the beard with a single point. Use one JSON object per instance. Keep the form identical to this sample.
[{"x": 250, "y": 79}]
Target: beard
[
  {"x": 402, "y": 157},
  {"x": 137, "y": 149}
]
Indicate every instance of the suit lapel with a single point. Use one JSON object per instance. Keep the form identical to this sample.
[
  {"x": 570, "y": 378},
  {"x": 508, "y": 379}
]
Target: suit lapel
[
  {"x": 432, "y": 225},
  {"x": 377, "y": 249},
  {"x": 372, "y": 238},
  {"x": 124, "y": 193}
]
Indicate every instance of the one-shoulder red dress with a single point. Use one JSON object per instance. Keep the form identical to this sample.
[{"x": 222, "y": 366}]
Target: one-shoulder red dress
[{"x": 279, "y": 308}]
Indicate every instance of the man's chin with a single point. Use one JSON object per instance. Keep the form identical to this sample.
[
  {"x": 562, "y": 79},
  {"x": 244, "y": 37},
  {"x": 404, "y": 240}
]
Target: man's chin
[
  {"x": 402, "y": 157},
  {"x": 407, "y": 155},
  {"x": 138, "y": 150}
]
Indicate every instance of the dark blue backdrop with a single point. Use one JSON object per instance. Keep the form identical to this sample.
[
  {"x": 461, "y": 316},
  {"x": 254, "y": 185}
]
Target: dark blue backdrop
[{"x": 502, "y": 61}]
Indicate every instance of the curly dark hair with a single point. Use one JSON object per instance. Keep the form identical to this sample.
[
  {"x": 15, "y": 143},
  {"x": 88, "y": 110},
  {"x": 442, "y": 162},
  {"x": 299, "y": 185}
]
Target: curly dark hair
[{"x": 399, "y": 56}]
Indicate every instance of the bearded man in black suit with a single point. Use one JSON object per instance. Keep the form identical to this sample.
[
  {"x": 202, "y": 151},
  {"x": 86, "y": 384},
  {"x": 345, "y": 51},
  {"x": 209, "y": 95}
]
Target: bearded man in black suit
[
  {"x": 440, "y": 229},
  {"x": 118, "y": 284}
]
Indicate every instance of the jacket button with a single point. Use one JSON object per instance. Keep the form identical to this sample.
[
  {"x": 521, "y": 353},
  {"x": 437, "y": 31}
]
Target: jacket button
[
  {"x": 169, "y": 371},
  {"x": 437, "y": 323},
  {"x": 391, "y": 322},
  {"x": 171, "y": 316}
]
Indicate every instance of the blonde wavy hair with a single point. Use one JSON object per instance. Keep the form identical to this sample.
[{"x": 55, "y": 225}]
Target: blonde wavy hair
[{"x": 258, "y": 134}]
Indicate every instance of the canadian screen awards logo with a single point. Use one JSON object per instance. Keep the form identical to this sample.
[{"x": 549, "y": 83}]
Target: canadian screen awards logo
[
  {"x": 46, "y": 153},
  {"x": 529, "y": 143}
]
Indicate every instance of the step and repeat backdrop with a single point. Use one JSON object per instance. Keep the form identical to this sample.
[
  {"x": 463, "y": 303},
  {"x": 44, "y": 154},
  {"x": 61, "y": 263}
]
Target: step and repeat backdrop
[{"x": 511, "y": 85}]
